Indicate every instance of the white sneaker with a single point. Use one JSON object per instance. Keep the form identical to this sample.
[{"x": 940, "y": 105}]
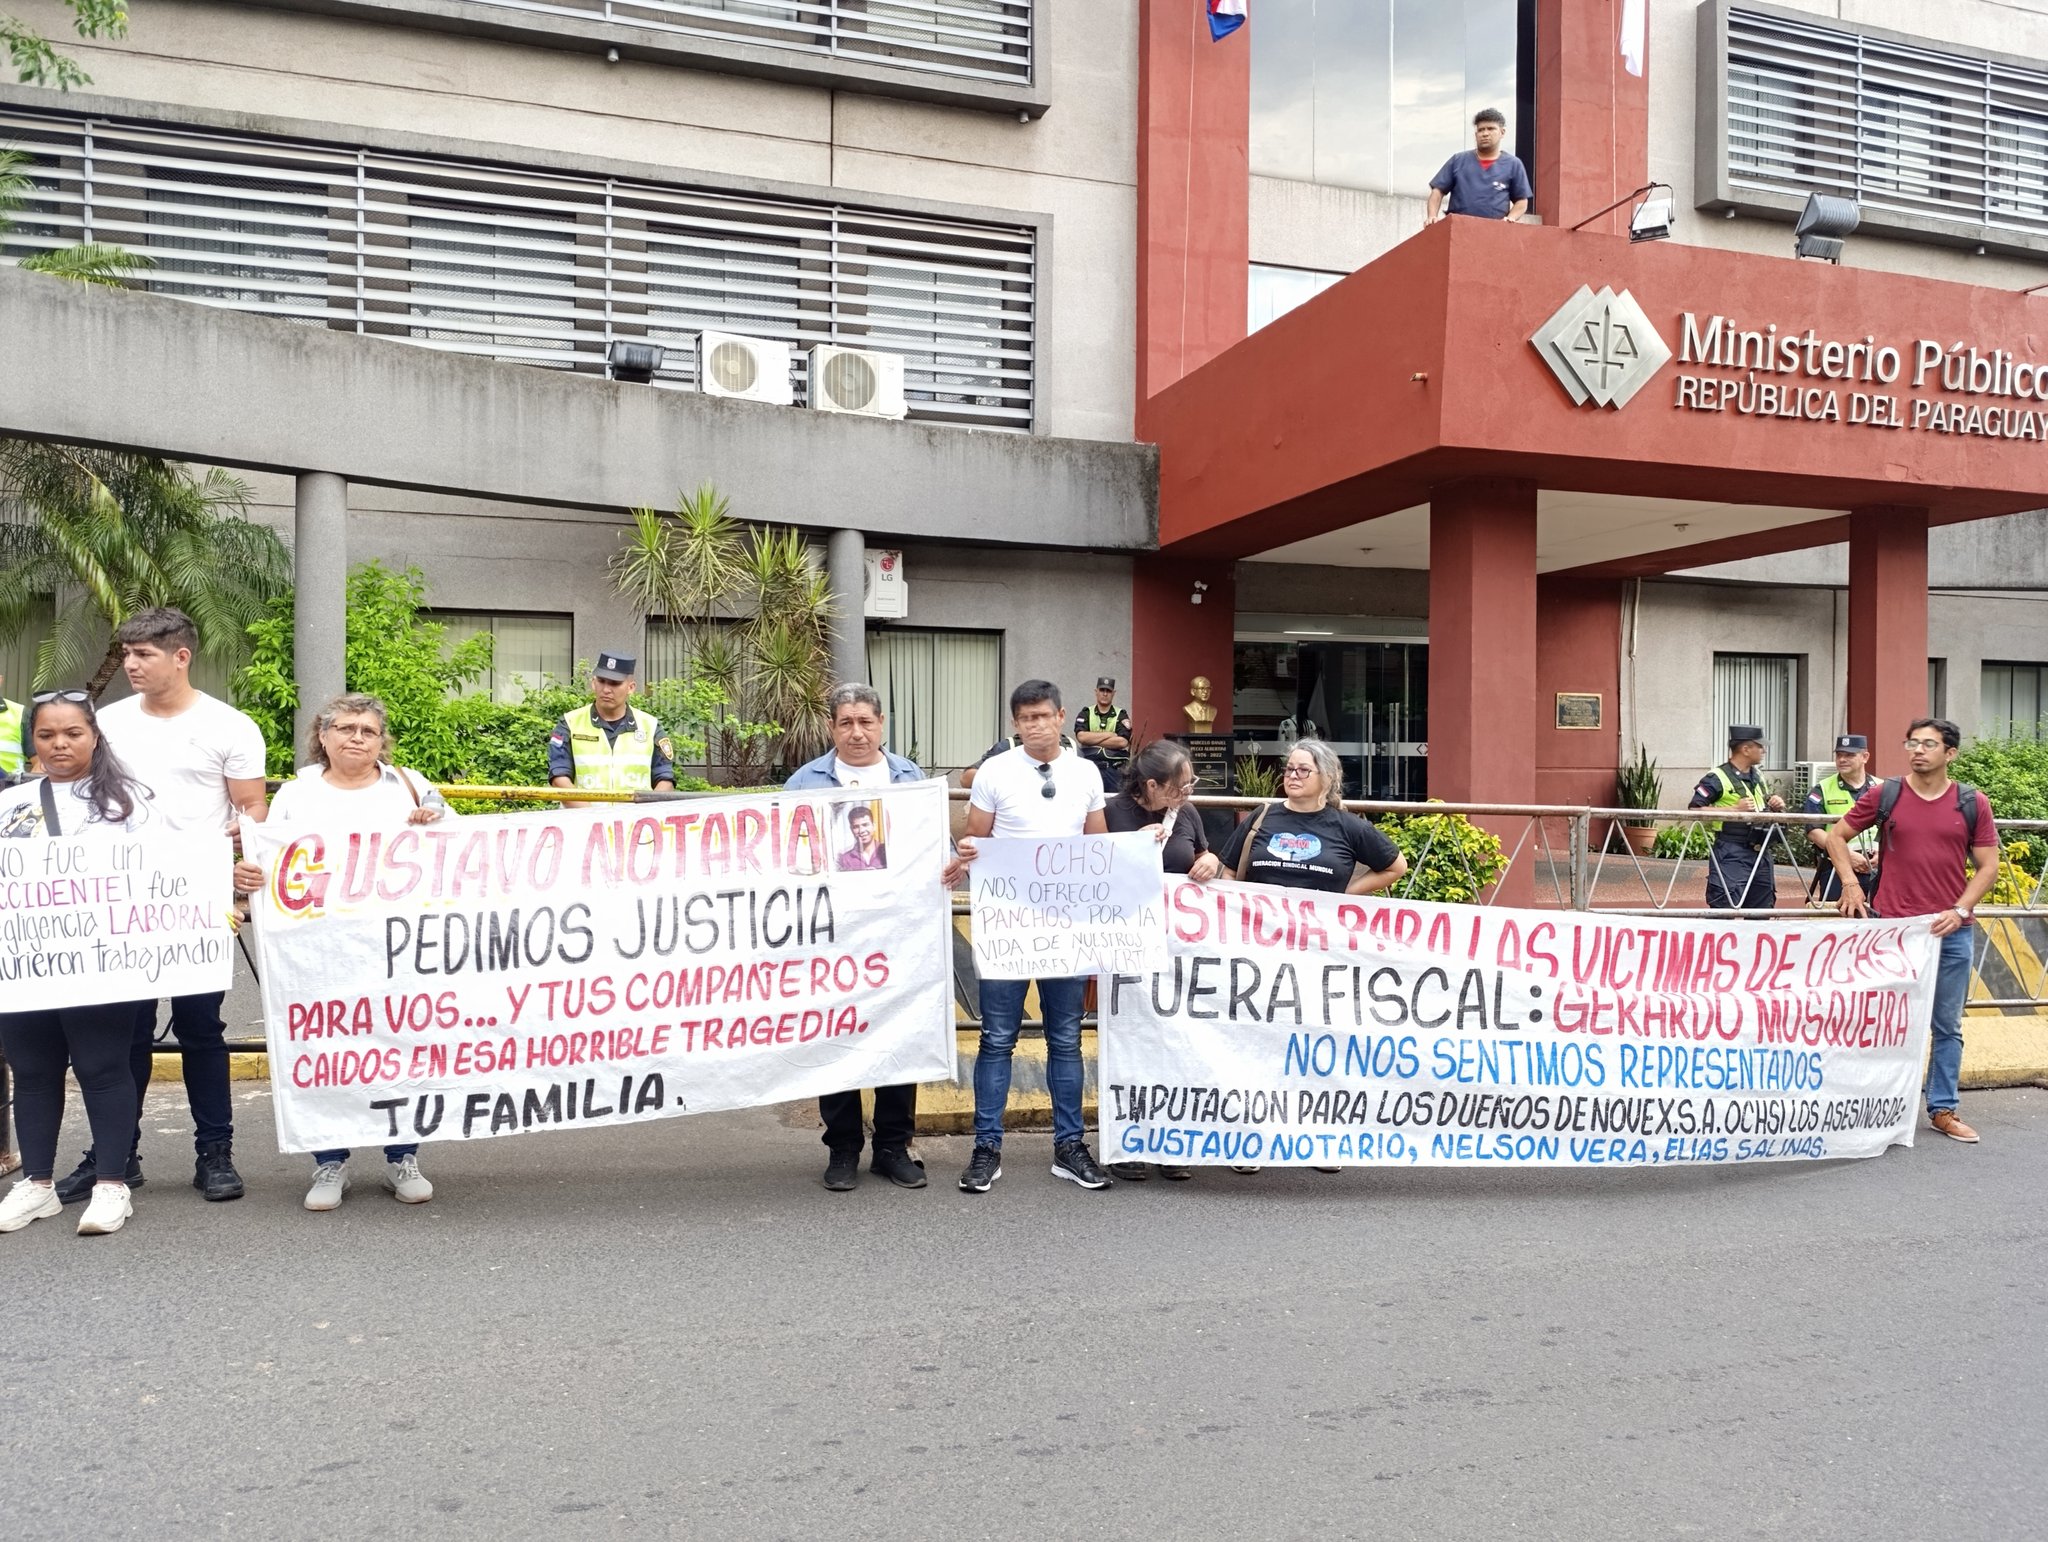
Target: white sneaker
[
  {"x": 108, "y": 1211},
  {"x": 406, "y": 1184},
  {"x": 330, "y": 1182},
  {"x": 27, "y": 1202}
]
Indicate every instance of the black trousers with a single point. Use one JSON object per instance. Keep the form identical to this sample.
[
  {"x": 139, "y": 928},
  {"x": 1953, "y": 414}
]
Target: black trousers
[
  {"x": 895, "y": 1118},
  {"x": 1741, "y": 878},
  {"x": 94, "y": 1042},
  {"x": 197, "y": 1023}
]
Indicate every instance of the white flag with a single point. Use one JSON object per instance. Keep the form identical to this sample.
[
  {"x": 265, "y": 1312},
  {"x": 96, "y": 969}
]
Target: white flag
[{"x": 1634, "y": 35}]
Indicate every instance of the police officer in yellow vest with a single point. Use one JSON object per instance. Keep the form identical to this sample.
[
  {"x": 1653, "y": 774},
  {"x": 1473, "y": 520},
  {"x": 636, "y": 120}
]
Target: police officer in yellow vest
[
  {"x": 11, "y": 754},
  {"x": 1833, "y": 796},
  {"x": 1103, "y": 730},
  {"x": 606, "y": 746},
  {"x": 1739, "y": 871}
]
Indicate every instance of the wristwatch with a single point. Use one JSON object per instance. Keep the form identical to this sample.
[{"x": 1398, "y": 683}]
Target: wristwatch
[{"x": 1964, "y": 911}]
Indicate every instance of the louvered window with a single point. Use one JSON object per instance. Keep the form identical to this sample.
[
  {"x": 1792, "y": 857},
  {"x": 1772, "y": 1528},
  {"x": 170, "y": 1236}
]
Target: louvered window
[
  {"x": 540, "y": 267},
  {"x": 1922, "y": 135}
]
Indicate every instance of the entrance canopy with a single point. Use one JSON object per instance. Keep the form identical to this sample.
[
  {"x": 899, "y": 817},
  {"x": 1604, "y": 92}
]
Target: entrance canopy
[{"x": 1583, "y": 364}]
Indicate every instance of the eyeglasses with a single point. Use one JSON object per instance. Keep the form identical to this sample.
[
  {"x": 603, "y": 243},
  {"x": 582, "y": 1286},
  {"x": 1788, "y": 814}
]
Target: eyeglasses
[
  {"x": 1298, "y": 771},
  {"x": 76, "y": 696},
  {"x": 355, "y": 731},
  {"x": 1045, "y": 787},
  {"x": 1926, "y": 744}
]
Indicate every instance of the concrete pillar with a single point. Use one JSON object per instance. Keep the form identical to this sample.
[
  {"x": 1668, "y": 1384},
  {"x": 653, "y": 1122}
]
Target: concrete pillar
[
  {"x": 1183, "y": 624},
  {"x": 1887, "y": 630},
  {"x": 320, "y": 583},
  {"x": 846, "y": 572},
  {"x": 1482, "y": 653}
]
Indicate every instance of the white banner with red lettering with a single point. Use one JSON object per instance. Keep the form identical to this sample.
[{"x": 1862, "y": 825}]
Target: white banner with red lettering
[
  {"x": 1321, "y": 1030},
  {"x": 494, "y": 975}
]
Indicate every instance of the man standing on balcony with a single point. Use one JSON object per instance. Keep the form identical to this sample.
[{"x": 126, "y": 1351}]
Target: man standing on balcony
[
  {"x": 605, "y": 747},
  {"x": 1928, "y": 826},
  {"x": 1485, "y": 182}
]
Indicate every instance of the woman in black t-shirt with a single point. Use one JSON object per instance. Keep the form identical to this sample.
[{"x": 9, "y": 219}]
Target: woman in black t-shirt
[
  {"x": 1308, "y": 841},
  {"x": 1156, "y": 787}
]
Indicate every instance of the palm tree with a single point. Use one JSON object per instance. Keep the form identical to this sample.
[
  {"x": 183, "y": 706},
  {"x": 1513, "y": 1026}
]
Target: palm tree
[
  {"x": 110, "y": 533},
  {"x": 754, "y": 610}
]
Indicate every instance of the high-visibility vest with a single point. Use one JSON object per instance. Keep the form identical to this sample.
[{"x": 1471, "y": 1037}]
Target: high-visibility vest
[
  {"x": 605, "y": 764},
  {"x": 1836, "y": 800},
  {"x": 1732, "y": 793},
  {"x": 11, "y": 758},
  {"x": 1100, "y": 722}
]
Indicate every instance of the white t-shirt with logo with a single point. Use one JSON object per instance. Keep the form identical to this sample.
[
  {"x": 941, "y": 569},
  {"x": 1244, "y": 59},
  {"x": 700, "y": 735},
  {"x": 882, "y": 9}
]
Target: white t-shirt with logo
[
  {"x": 187, "y": 760},
  {"x": 1012, "y": 787},
  {"x": 310, "y": 799},
  {"x": 876, "y": 775}
]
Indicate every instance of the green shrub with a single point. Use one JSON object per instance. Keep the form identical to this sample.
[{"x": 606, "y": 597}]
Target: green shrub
[
  {"x": 394, "y": 654},
  {"x": 2012, "y": 773},
  {"x": 1450, "y": 859},
  {"x": 1682, "y": 840}
]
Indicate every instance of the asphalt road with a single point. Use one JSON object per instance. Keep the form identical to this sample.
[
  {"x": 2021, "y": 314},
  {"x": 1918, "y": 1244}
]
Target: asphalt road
[{"x": 672, "y": 1331}]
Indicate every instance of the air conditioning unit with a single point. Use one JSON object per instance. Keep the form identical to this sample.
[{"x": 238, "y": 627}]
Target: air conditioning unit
[
  {"x": 1806, "y": 774},
  {"x": 753, "y": 369},
  {"x": 885, "y": 593},
  {"x": 858, "y": 381}
]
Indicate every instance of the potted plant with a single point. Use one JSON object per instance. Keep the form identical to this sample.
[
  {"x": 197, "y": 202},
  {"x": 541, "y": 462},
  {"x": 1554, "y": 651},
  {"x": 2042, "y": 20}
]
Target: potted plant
[{"x": 1637, "y": 785}]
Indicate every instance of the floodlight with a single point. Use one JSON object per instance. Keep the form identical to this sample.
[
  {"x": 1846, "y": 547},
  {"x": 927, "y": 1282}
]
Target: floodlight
[
  {"x": 1823, "y": 225},
  {"x": 1652, "y": 219},
  {"x": 635, "y": 362}
]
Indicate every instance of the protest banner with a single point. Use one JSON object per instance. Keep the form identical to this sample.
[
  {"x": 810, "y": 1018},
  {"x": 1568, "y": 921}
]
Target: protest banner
[
  {"x": 490, "y": 976},
  {"x": 105, "y": 916},
  {"x": 1292, "y": 1028},
  {"x": 1082, "y": 904}
]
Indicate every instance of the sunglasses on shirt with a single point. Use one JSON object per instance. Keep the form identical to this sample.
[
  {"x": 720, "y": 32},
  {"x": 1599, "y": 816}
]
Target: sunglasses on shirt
[{"x": 1045, "y": 787}]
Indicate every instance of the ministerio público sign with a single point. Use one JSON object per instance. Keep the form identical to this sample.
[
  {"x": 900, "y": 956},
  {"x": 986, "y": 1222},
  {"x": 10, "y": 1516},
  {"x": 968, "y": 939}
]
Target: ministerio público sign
[{"x": 1604, "y": 349}]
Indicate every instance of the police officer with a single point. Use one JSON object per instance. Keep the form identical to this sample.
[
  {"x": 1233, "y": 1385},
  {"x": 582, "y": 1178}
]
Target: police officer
[
  {"x": 1103, "y": 730},
  {"x": 606, "y": 746},
  {"x": 1739, "y": 871},
  {"x": 1834, "y": 796},
  {"x": 11, "y": 755}
]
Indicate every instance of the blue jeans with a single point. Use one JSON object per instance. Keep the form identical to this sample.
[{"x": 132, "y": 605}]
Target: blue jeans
[
  {"x": 391, "y": 1154},
  {"x": 1951, "y": 986},
  {"x": 1002, "y": 1012}
]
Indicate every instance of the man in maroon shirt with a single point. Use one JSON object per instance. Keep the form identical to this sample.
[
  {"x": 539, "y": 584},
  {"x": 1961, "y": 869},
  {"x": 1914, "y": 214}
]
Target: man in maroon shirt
[{"x": 1926, "y": 839}]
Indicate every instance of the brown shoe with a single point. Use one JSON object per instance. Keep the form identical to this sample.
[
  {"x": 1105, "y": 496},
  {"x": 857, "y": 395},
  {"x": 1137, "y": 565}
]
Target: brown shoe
[{"x": 1945, "y": 1122}]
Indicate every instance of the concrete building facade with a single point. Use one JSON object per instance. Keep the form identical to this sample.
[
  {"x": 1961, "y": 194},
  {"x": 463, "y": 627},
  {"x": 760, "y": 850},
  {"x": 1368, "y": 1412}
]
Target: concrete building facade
[{"x": 415, "y": 228}]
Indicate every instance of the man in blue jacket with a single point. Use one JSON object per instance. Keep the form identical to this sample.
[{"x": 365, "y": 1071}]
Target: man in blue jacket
[{"x": 857, "y": 759}]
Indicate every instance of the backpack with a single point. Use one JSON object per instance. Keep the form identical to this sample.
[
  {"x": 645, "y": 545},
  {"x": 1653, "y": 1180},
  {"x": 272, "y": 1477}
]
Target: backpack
[{"x": 1966, "y": 805}]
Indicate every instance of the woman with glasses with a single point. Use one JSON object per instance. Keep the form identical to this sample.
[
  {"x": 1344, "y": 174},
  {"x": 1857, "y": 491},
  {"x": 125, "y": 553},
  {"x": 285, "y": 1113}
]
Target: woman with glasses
[
  {"x": 349, "y": 782},
  {"x": 1157, "y": 784},
  {"x": 84, "y": 787},
  {"x": 1308, "y": 841}
]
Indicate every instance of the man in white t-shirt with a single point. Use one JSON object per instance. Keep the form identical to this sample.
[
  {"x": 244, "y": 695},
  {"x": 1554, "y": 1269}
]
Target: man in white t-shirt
[
  {"x": 857, "y": 759},
  {"x": 204, "y": 762},
  {"x": 1042, "y": 788}
]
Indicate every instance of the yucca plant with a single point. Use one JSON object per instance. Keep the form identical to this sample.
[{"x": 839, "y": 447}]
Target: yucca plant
[{"x": 756, "y": 613}]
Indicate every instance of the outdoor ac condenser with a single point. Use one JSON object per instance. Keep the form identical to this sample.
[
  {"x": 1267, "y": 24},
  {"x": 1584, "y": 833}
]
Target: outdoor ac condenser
[
  {"x": 885, "y": 593},
  {"x": 857, "y": 380},
  {"x": 754, "y": 369},
  {"x": 1806, "y": 774}
]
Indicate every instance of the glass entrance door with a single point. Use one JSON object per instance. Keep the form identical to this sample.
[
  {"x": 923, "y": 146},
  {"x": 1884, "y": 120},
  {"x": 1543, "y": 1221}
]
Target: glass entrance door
[{"x": 1368, "y": 700}]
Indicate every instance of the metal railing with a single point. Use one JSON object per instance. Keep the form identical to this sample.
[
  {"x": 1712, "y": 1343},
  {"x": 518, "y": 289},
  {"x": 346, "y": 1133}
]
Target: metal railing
[
  {"x": 1570, "y": 857},
  {"x": 534, "y": 266},
  {"x": 969, "y": 39}
]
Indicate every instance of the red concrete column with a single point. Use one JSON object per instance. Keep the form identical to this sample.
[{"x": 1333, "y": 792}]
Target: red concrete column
[
  {"x": 1194, "y": 193},
  {"x": 1173, "y": 639},
  {"x": 1482, "y": 654},
  {"x": 1592, "y": 116},
  {"x": 1887, "y": 629},
  {"x": 1578, "y": 650}
]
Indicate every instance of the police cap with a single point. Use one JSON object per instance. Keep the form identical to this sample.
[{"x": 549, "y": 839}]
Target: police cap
[
  {"x": 1851, "y": 744},
  {"x": 1105, "y": 683},
  {"x": 1742, "y": 733},
  {"x": 614, "y": 666}
]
